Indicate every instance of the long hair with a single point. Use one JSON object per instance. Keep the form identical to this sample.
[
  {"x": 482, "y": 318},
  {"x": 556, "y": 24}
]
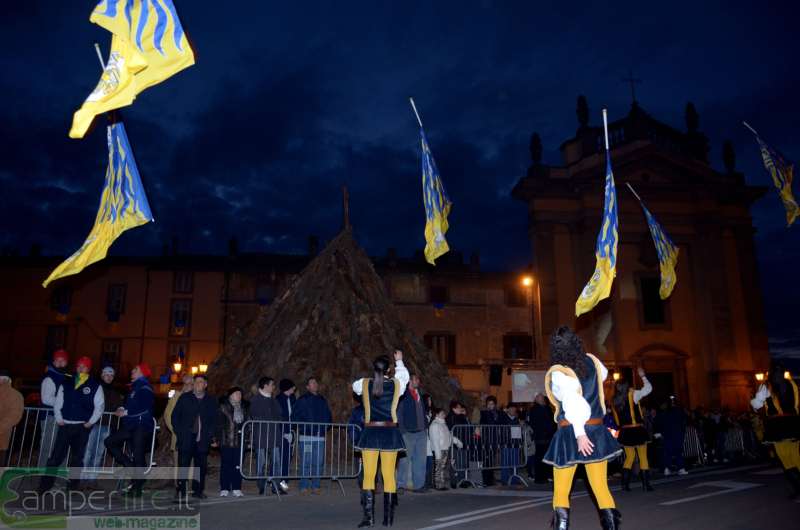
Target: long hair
[
  {"x": 379, "y": 367},
  {"x": 778, "y": 386},
  {"x": 566, "y": 348}
]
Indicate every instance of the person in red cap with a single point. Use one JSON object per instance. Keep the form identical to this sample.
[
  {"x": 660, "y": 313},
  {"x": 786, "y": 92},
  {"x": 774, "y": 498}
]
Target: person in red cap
[
  {"x": 54, "y": 375},
  {"x": 78, "y": 407},
  {"x": 136, "y": 428}
]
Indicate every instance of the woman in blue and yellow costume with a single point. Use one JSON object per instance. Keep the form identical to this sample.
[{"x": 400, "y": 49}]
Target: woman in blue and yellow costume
[
  {"x": 574, "y": 385},
  {"x": 381, "y": 438},
  {"x": 633, "y": 436},
  {"x": 779, "y": 397}
]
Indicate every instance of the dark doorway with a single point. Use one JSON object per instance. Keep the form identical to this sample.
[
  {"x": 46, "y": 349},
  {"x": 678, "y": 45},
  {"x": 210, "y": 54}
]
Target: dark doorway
[{"x": 663, "y": 387}]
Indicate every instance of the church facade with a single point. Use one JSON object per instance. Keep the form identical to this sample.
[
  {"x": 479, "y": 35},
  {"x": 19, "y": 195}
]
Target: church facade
[{"x": 703, "y": 344}]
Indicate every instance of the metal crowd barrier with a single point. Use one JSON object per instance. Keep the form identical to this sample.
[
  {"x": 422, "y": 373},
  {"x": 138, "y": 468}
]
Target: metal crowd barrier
[
  {"x": 32, "y": 440},
  {"x": 488, "y": 448},
  {"x": 276, "y": 450}
]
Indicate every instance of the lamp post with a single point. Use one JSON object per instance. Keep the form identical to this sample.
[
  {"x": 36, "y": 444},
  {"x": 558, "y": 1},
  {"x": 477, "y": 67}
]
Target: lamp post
[{"x": 528, "y": 282}]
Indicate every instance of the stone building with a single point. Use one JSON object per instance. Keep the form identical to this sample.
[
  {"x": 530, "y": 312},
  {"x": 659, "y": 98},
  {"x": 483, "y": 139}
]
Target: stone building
[{"x": 705, "y": 343}]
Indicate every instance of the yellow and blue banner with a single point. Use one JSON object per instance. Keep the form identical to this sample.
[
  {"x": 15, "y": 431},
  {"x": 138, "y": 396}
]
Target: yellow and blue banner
[
  {"x": 782, "y": 174},
  {"x": 148, "y": 45},
  {"x": 599, "y": 286},
  {"x": 667, "y": 254},
  {"x": 123, "y": 205},
  {"x": 437, "y": 205}
]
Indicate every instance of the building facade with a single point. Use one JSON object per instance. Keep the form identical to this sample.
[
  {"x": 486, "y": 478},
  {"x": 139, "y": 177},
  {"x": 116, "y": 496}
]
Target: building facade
[
  {"x": 166, "y": 309},
  {"x": 707, "y": 340}
]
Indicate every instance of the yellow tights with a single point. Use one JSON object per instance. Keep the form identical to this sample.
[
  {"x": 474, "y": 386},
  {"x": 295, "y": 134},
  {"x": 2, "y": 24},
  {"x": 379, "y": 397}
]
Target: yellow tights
[
  {"x": 788, "y": 453},
  {"x": 630, "y": 454},
  {"x": 598, "y": 481},
  {"x": 388, "y": 461}
]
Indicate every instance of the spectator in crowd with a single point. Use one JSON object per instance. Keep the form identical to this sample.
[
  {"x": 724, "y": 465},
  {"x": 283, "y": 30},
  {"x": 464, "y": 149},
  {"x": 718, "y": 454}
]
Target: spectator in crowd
[
  {"x": 267, "y": 436},
  {"x": 428, "y": 399},
  {"x": 10, "y": 412},
  {"x": 55, "y": 374},
  {"x": 411, "y": 417},
  {"x": 233, "y": 413},
  {"x": 441, "y": 440},
  {"x": 287, "y": 400},
  {"x": 78, "y": 406},
  {"x": 511, "y": 444},
  {"x": 195, "y": 422},
  {"x": 455, "y": 418},
  {"x": 673, "y": 430},
  {"x": 540, "y": 418},
  {"x": 136, "y": 427},
  {"x": 311, "y": 408},
  {"x": 489, "y": 420},
  {"x": 95, "y": 447},
  {"x": 187, "y": 386}
]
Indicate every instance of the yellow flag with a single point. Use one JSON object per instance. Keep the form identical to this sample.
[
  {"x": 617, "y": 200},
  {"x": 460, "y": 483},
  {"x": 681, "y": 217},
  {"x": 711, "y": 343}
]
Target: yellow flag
[
  {"x": 148, "y": 45},
  {"x": 123, "y": 205}
]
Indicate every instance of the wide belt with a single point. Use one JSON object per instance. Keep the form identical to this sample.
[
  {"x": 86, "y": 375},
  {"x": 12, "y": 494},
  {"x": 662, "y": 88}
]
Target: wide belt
[
  {"x": 590, "y": 421},
  {"x": 380, "y": 424},
  {"x": 631, "y": 425}
]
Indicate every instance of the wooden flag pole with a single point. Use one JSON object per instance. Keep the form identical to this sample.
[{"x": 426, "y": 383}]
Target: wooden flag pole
[
  {"x": 413, "y": 106},
  {"x": 605, "y": 126},
  {"x": 633, "y": 191},
  {"x": 748, "y": 126},
  {"x": 99, "y": 56}
]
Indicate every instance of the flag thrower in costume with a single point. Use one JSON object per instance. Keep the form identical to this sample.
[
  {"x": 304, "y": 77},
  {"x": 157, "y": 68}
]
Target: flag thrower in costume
[
  {"x": 781, "y": 171},
  {"x": 123, "y": 205},
  {"x": 599, "y": 285},
  {"x": 437, "y": 203},
  {"x": 148, "y": 45},
  {"x": 667, "y": 251}
]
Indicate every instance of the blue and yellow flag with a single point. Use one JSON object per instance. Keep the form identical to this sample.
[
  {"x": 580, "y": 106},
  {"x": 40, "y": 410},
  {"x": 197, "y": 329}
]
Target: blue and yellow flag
[
  {"x": 782, "y": 174},
  {"x": 599, "y": 286},
  {"x": 123, "y": 205},
  {"x": 437, "y": 205},
  {"x": 148, "y": 45},
  {"x": 667, "y": 254}
]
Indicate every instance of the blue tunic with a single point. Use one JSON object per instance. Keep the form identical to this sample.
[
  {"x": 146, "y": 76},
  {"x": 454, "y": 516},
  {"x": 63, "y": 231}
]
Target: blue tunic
[
  {"x": 381, "y": 409},
  {"x": 563, "y": 450},
  {"x": 629, "y": 418}
]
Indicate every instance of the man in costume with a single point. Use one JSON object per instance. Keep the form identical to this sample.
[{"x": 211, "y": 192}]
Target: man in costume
[
  {"x": 574, "y": 385},
  {"x": 779, "y": 397},
  {"x": 633, "y": 435},
  {"x": 381, "y": 437}
]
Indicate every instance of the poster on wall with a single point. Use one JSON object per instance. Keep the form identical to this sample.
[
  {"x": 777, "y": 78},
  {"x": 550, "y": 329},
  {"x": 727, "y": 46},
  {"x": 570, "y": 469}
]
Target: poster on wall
[{"x": 525, "y": 384}]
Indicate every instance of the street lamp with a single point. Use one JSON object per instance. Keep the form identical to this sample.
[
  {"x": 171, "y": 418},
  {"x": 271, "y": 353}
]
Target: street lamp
[
  {"x": 527, "y": 281},
  {"x": 760, "y": 376},
  {"x": 194, "y": 370},
  {"x": 176, "y": 367},
  {"x": 616, "y": 375},
  {"x": 203, "y": 367}
]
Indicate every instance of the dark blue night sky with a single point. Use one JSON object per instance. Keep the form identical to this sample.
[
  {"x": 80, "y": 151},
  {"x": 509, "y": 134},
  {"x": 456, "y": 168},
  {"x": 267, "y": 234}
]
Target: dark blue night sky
[{"x": 290, "y": 100}]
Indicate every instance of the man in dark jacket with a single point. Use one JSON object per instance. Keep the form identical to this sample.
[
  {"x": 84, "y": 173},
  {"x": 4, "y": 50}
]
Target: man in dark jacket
[
  {"x": 490, "y": 418},
  {"x": 136, "y": 427},
  {"x": 195, "y": 422},
  {"x": 267, "y": 437},
  {"x": 412, "y": 414},
  {"x": 540, "y": 418},
  {"x": 287, "y": 400},
  {"x": 311, "y": 408},
  {"x": 510, "y": 440}
]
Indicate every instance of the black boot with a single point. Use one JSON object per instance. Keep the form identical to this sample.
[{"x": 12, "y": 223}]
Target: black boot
[
  {"x": 389, "y": 504},
  {"x": 610, "y": 519},
  {"x": 646, "y": 480},
  {"x": 560, "y": 519},
  {"x": 793, "y": 476},
  {"x": 369, "y": 509},
  {"x": 626, "y": 479}
]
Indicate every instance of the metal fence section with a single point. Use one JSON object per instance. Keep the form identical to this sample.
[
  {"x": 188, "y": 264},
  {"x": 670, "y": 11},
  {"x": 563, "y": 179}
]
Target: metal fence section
[
  {"x": 275, "y": 450},
  {"x": 488, "y": 448},
  {"x": 32, "y": 440}
]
